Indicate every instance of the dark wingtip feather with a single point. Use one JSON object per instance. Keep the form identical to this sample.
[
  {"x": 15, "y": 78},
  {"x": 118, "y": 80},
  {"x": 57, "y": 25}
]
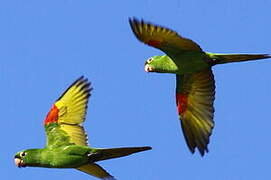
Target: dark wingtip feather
[
  {"x": 134, "y": 24},
  {"x": 133, "y": 20},
  {"x": 81, "y": 80},
  {"x": 202, "y": 150},
  {"x": 194, "y": 144}
]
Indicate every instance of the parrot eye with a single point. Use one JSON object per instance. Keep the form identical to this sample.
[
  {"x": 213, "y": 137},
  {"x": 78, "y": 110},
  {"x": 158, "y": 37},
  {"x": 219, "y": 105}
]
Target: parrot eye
[
  {"x": 148, "y": 61},
  {"x": 22, "y": 154}
]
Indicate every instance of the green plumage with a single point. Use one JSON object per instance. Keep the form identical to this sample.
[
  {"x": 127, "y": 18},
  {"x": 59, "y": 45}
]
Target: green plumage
[
  {"x": 195, "y": 85},
  {"x": 66, "y": 139},
  {"x": 72, "y": 156}
]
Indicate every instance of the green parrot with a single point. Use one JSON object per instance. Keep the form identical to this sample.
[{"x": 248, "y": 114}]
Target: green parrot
[
  {"x": 67, "y": 145},
  {"x": 195, "y": 91}
]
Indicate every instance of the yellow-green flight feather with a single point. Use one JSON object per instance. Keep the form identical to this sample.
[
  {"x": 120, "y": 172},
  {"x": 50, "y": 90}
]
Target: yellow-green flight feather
[
  {"x": 67, "y": 140},
  {"x": 195, "y": 92}
]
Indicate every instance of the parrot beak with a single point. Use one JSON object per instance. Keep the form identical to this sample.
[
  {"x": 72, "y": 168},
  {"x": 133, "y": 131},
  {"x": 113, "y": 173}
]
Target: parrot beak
[
  {"x": 19, "y": 163},
  {"x": 148, "y": 68}
]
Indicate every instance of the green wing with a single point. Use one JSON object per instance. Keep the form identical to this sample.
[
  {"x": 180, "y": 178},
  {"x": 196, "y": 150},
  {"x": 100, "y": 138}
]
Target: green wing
[
  {"x": 161, "y": 37},
  {"x": 195, "y": 94},
  {"x": 63, "y": 124}
]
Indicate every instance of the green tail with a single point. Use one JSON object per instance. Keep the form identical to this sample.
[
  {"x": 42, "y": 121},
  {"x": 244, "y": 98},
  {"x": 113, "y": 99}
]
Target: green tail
[
  {"x": 228, "y": 58},
  {"x": 104, "y": 154}
]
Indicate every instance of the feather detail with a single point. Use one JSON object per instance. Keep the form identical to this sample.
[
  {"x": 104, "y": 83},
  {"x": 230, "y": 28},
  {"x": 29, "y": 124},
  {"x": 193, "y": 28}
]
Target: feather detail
[
  {"x": 96, "y": 170},
  {"x": 195, "y": 97},
  {"x": 68, "y": 113},
  {"x": 181, "y": 101},
  {"x": 52, "y": 116},
  {"x": 161, "y": 37}
]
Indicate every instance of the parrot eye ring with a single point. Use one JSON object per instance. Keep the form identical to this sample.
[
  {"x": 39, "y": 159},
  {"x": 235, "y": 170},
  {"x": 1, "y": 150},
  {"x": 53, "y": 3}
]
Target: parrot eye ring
[
  {"x": 149, "y": 60},
  {"x": 22, "y": 154}
]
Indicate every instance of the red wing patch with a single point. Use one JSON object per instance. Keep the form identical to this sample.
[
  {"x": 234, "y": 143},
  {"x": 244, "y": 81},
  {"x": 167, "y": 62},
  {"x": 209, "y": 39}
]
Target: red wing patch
[
  {"x": 181, "y": 101},
  {"x": 154, "y": 43},
  {"x": 52, "y": 116}
]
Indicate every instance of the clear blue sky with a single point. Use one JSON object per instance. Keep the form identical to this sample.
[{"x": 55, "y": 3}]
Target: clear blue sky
[{"x": 46, "y": 45}]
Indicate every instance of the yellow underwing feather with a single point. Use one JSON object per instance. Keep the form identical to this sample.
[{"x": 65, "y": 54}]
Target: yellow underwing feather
[
  {"x": 96, "y": 170},
  {"x": 195, "y": 96},
  {"x": 77, "y": 134},
  {"x": 72, "y": 106}
]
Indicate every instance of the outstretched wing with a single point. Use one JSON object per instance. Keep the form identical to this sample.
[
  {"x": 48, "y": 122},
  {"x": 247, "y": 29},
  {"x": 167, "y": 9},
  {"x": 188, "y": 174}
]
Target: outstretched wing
[
  {"x": 195, "y": 94},
  {"x": 161, "y": 37},
  {"x": 96, "y": 170},
  {"x": 63, "y": 123}
]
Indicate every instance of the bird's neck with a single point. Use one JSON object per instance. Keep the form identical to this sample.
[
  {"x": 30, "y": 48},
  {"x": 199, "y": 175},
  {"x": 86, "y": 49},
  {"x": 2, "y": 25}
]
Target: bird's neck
[
  {"x": 164, "y": 64},
  {"x": 35, "y": 158}
]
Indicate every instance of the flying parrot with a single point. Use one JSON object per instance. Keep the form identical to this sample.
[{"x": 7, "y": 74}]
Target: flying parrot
[
  {"x": 67, "y": 145},
  {"x": 195, "y": 84}
]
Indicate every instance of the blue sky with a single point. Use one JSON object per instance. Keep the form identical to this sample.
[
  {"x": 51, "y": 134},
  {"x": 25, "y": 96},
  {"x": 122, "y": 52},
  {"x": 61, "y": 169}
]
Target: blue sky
[{"x": 46, "y": 45}]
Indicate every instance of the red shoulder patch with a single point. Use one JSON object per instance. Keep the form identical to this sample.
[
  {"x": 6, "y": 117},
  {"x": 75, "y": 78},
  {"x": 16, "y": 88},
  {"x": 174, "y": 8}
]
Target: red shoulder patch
[
  {"x": 181, "y": 101},
  {"x": 52, "y": 116},
  {"x": 154, "y": 43}
]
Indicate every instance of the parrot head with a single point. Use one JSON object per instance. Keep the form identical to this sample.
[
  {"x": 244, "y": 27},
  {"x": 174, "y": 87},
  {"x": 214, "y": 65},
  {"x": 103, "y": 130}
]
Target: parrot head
[
  {"x": 161, "y": 64},
  {"x": 27, "y": 158}
]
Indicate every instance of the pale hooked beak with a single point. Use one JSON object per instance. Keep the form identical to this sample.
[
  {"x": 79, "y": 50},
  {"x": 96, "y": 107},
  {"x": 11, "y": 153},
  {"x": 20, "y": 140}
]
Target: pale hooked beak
[
  {"x": 148, "y": 68},
  {"x": 19, "y": 163}
]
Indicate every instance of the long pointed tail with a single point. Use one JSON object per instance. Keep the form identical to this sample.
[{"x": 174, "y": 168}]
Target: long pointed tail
[
  {"x": 104, "y": 154},
  {"x": 228, "y": 58}
]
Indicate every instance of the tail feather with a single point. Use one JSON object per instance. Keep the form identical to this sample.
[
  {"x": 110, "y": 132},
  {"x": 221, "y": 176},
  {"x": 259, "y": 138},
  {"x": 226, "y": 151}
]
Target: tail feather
[
  {"x": 119, "y": 152},
  {"x": 228, "y": 58}
]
